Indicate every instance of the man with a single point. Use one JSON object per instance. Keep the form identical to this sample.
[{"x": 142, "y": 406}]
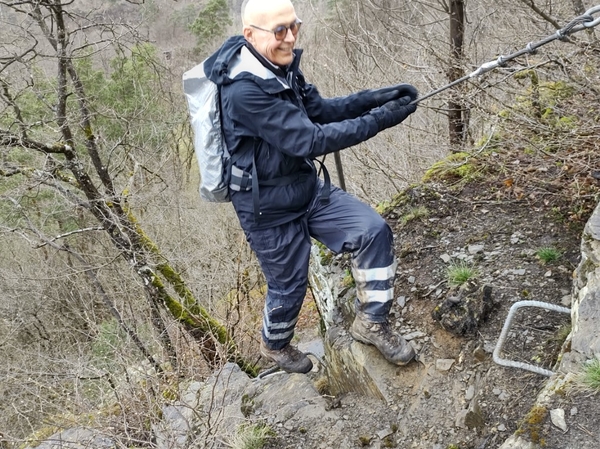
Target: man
[{"x": 275, "y": 124}]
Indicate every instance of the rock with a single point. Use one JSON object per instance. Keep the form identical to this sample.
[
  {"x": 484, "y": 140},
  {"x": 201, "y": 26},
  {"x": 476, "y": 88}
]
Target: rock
[
  {"x": 401, "y": 301},
  {"x": 464, "y": 308},
  {"x": 470, "y": 393},
  {"x": 384, "y": 433},
  {"x": 444, "y": 364},
  {"x": 174, "y": 429},
  {"x": 479, "y": 354},
  {"x": 315, "y": 347},
  {"x": 516, "y": 442},
  {"x": 474, "y": 418},
  {"x": 504, "y": 396},
  {"x": 489, "y": 347},
  {"x": 471, "y": 418},
  {"x": 445, "y": 258},
  {"x": 474, "y": 249},
  {"x": 585, "y": 309},
  {"x": 566, "y": 300},
  {"x": 557, "y": 416},
  {"x": 413, "y": 335},
  {"x": 460, "y": 419}
]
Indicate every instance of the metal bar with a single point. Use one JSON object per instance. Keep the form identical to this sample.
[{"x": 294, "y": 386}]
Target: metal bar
[
  {"x": 506, "y": 328},
  {"x": 340, "y": 170}
]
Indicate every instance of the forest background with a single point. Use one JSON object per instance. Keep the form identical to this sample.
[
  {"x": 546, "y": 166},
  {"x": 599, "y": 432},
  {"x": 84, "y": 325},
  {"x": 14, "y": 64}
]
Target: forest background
[{"x": 110, "y": 265}]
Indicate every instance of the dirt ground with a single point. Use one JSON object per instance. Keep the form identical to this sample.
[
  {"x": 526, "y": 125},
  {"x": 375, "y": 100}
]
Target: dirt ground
[{"x": 496, "y": 224}]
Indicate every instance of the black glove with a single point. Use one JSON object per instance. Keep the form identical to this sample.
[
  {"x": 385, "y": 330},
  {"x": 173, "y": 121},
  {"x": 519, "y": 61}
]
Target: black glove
[
  {"x": 393, "y": 112},
  {"x": 385, "y": 94}
]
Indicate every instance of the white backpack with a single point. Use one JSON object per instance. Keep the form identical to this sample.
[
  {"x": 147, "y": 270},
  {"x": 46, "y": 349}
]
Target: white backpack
[{"x": 209, "y": 142}]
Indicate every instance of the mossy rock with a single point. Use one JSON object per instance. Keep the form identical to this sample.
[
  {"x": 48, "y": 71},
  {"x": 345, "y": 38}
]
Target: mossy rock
[{"x": 455, "y": 167}]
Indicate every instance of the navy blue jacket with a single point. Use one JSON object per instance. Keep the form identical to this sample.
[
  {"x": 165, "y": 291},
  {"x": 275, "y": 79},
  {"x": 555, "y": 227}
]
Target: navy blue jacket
[{"x": 272, "y": 116}]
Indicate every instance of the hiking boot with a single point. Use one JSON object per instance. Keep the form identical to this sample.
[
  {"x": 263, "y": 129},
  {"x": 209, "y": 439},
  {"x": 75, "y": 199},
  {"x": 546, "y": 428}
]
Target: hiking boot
[
  {"x": 289, "y": 359},
  {"x": 393, "y": 347}
]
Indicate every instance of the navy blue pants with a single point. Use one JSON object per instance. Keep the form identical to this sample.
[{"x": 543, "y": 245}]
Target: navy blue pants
[{"x": 345, "y": 224}]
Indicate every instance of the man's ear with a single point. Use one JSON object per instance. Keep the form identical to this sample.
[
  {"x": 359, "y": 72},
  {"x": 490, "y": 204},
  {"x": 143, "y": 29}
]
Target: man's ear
[{"x": 249, "y": 34}]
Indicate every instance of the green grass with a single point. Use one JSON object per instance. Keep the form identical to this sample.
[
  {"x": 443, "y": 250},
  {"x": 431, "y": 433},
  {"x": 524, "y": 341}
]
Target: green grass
[
  {"x": 460, "y": 272},
  {"x": 547, "y": 254},
  {"x": 253, "y": 436},
  {"x": 591, "y": 375},
  {"x": 415, "y": 213}
]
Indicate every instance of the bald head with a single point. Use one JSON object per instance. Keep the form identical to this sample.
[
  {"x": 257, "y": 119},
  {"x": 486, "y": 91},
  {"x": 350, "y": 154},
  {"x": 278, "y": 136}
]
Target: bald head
[
  {"x": 261, "y": 18},
  {"x": 257, "y": 12}
]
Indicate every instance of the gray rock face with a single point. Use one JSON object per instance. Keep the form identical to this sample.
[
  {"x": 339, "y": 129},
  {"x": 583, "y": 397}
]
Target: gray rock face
[
  {"x": 76, "y": 438},
  {"x": 585, "y": 309}
]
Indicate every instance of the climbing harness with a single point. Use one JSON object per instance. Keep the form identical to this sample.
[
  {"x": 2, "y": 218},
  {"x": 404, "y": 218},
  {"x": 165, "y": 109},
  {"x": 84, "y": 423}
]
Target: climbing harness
[
  {"x": 506, "y": 328},
  {"x": 580, "y": 23}
]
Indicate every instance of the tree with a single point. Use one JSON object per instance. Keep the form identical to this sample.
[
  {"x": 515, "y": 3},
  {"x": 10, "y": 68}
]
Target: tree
[
  {"x": 76, "y": 140},
  {"x": 456, "y": 112},
  {"x": 211, "y": 23}
]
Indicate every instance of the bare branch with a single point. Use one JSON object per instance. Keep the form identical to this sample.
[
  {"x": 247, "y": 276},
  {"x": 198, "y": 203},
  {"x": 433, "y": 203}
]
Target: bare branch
[
  {"x": 11, "y": 140},
  {"x": 542, "y": 14},
  {"x": 67, "y": 234}
]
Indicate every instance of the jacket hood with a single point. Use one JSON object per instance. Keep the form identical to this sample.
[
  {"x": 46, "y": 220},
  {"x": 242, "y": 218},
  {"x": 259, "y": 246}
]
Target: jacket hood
[{"x": 216, "y": 66}]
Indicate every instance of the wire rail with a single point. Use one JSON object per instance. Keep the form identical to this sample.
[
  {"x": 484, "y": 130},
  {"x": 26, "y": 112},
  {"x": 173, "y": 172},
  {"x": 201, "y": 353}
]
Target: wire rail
[{"x": 580, "y": 23}]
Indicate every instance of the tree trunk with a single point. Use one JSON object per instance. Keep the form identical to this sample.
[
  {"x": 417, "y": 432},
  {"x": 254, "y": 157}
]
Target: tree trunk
[{"x": 456, "y": 112}]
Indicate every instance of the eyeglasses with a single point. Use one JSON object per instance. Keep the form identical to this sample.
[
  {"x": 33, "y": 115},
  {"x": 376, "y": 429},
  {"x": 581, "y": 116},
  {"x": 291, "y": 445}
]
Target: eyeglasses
[{"x": 281, "y": 31}]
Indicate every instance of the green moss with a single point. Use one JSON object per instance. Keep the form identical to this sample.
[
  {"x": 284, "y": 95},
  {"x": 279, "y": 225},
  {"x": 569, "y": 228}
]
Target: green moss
[
  {"x": 531, "y": 426},
  {"x": 247, "y": 406},
  {"x": 552, "y": 91},
  {"x": 325, "y": 255},
  {"x": 170, "y": 393},
  {"x": 388, "y": 442},
  {"x": 348, "y": 280},
  {"x": 414, "y": 213},
  {"x": 364, "y": 440},
  {"x": 455, "y": 166},
  {"x": 383, "y": 207}
]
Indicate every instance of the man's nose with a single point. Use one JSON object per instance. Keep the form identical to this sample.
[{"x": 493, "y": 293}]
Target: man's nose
[{"x": 289, "y": 36}]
